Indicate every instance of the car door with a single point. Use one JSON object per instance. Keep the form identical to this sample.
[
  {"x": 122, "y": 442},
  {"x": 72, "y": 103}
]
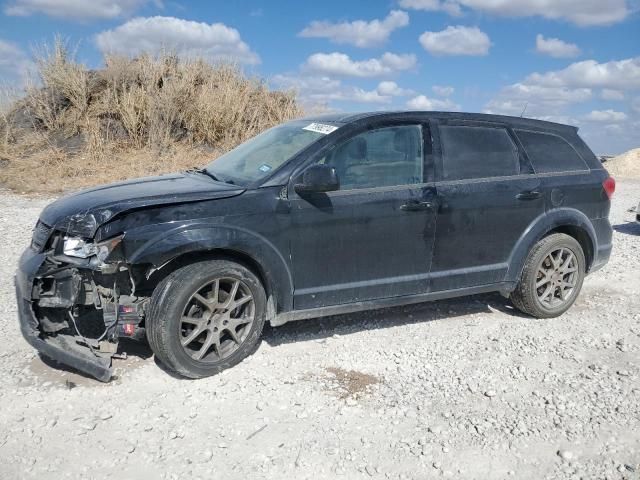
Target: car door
[
  {"x": 373, "y": 237},
  {"x": 487, "y": 197},
  {"x": 563, "y": 172}
]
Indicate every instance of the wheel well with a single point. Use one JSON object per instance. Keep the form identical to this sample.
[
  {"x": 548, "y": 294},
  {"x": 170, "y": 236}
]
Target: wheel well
[
  {"x": 194, "y": 257},
  {"x": 581, "y": 236}
]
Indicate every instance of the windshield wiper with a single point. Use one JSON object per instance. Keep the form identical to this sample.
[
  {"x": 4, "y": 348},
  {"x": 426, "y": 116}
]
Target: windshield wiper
[{"x": 203, "y": 171}]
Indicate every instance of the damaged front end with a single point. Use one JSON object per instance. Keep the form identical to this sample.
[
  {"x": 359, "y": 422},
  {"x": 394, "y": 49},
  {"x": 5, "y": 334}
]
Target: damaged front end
[{"x": 76, "y": 298}]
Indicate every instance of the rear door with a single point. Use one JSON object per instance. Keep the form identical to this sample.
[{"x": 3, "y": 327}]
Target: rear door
[
  {"x": 487, "y": 197},
  {"x": 565, "y": 176},
  {"x": 372, "y": 238}
]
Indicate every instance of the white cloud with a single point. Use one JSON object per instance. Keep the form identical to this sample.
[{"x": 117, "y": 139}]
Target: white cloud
[
  {"x": 359, "y": 95},
  {"x": 422, "y": 102},
  {"x": 552, "y": 93},
  {"x": 316, "y": 91},
  {"x": 614, "y": 128},
  {"x": 536, "y": 100},
  {"x": 75, "y": 9},
  {"x": 359, "y": 33},
  {"x": 579, "y": 12},
  {"x": 616, "y": 75},
  {"x": 554, "y": 47},
  {"x": 392, "y": 89},
  {"x": 443, "y": 91},
  {"x": 456, "y": 40},
  {"x": 214, "y": 42},
  {"x": 428, "y": 5},
  {"x": 449, "y": 6},
  {"x": 14, "y": 63},
  {"x": 610, "y": 139},
  {"x": 606, "y": 116},
  {"x": 340, "y": 64},
  {"x": 308, "y": 84},
  {"x": 609, "y": 94}
]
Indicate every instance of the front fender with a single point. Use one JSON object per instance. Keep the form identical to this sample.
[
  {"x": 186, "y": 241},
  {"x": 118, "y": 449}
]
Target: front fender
[
  {"x": 540, "y": 227},
  {"x": 205, "y": 237}
]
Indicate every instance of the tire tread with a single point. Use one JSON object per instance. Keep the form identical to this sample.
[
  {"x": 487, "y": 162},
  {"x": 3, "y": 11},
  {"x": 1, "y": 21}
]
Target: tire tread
[
  {"x": 165, "y": 295},
  {"x": 524, "y": 297}
]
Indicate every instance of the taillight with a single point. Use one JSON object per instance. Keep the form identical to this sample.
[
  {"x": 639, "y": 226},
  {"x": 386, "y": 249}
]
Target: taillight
[{"x": 609, "y": 186}]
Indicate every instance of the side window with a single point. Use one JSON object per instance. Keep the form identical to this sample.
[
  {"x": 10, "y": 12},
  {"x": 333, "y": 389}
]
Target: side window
[
  {"x": 550, "y": 153},
  {"x": 477, "y": 152},
  {"x": 383, "y": 157}
]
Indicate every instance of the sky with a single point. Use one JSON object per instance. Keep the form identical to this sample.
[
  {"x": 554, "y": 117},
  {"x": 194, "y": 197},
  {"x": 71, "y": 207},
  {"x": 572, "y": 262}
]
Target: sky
[{"x": 570, "y": 61}]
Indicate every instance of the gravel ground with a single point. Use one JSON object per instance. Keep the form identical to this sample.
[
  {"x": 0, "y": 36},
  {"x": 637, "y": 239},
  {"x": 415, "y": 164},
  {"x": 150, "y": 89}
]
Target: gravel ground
[{"x": 463, "y": 389}]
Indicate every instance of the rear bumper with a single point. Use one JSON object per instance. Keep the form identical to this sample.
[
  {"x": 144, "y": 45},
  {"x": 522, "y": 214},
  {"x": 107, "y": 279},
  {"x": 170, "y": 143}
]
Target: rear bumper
[
  {"x": 62, "y": 348},
  {"x": 604, "y": 237},
  {"x": 601, "y": 258}
]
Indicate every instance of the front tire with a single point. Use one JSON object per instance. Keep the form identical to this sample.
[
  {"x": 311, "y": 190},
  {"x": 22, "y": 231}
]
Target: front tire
[
  {"x": 206, "y": 317},
  {"x": 552, "y": 277}
]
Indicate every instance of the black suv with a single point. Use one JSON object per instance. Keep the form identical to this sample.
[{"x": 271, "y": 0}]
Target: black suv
[{"x": 316, "y": 217}]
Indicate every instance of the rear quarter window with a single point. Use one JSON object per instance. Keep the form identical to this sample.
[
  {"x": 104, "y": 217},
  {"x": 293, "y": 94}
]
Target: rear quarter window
[
  {"x": 550, "y": 153},
  {"x": 477, "y": 152}
]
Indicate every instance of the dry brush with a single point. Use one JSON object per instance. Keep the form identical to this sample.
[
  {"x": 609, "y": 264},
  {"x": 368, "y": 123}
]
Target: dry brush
[{"x": 132, "y": 117}]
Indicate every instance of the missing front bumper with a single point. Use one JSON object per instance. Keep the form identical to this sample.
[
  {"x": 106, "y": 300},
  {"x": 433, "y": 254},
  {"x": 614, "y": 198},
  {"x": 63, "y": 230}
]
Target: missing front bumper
[
  {"x": 66, "y": 349},
  {"x": 62, "y": 348}
]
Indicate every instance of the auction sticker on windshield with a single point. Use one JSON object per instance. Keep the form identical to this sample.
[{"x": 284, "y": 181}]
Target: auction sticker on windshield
[{"x": 320, "y": 128}]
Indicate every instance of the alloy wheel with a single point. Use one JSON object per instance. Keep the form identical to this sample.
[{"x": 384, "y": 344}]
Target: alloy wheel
[
  {"x": 217, "y": 319},
  {"x": 557, "y": 278}
]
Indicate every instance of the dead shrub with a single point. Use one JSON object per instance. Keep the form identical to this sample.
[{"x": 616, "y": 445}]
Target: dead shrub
[{"x": 133, "y": 117}]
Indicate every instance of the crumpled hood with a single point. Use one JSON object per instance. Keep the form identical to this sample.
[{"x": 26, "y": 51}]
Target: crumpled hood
[{"x": 81, "y": 213}]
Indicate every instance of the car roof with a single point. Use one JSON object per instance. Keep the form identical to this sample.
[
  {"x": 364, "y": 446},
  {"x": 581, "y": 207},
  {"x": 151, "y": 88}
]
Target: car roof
[{"x": 478, "y": 117}]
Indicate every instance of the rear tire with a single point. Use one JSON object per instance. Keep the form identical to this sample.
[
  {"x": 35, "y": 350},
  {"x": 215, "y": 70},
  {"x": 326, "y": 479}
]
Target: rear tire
[
  {"x": 551, "y": 278},
  {"x": 206, "y": 317}
]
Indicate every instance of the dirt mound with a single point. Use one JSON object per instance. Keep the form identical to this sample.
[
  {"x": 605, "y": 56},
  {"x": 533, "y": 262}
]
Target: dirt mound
[
  {"x": 147, "y": 115},
  {"x": 626, "y": 165}
]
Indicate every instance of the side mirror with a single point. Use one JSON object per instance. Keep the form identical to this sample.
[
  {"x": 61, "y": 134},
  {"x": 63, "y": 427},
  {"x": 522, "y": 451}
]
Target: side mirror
[{"x": 318, "y": 179}]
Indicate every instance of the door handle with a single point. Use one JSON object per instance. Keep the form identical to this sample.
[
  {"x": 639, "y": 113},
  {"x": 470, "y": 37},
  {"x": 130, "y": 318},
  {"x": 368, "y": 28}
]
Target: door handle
[
  {"x": 529, "y": 195},
  {"x": 414, "y": 206}
]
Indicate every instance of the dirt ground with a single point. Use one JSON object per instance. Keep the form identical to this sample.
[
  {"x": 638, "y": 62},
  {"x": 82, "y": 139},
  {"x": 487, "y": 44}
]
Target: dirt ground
[{"x": 465, "y": 388}]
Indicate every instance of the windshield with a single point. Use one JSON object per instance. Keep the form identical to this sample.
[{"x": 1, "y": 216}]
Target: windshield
[{"x": 257, "y": 158}]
